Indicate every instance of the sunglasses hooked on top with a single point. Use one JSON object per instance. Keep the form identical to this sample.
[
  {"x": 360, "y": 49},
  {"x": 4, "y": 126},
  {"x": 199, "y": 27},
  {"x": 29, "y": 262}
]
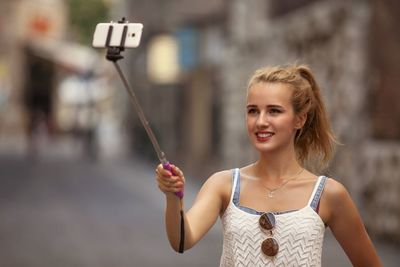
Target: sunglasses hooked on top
[{"x": 269, "y": 246}]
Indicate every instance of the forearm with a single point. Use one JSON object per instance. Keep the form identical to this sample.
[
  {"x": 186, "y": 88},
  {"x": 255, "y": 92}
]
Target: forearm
[
  {"x": 201, "y": 216},
  {"x": 173, "y": 223}
]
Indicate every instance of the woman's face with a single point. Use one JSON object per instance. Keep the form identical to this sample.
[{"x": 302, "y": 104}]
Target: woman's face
[{"x": 271, "y": 122}]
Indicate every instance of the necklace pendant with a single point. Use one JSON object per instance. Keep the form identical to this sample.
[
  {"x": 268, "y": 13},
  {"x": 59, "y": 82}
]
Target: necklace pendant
[{"x": 270, "y": 194}]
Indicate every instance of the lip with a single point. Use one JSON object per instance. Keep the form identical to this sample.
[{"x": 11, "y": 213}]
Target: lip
[{"x": 264, "y": 136}]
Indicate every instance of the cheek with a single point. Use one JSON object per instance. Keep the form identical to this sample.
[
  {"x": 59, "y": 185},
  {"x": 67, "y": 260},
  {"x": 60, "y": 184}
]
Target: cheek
[
  {"x": 250, "y": 123},
  {"x": 288, "y": 124}
]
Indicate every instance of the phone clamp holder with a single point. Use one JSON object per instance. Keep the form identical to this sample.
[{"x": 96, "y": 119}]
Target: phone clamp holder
[{"x": 114, "y": 52}]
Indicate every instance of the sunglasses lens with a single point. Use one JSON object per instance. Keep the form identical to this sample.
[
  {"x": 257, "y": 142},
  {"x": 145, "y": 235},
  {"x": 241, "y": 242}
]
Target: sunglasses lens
[
  {"x": 267, "y": 221},
  {"x": 270, "y": 247}
]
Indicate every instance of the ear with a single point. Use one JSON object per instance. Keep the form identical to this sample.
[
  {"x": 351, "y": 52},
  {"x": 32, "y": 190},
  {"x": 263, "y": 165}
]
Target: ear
[{"x": 300, "y": 120}]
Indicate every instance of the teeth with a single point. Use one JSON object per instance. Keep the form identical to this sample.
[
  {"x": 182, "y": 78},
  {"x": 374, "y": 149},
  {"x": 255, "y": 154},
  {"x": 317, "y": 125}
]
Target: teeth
[{"x": 264, "y": 135}]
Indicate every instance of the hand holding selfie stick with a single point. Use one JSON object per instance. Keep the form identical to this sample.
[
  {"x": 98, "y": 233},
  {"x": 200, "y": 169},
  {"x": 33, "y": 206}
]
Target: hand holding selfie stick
[{"x": 114, "y": 54}]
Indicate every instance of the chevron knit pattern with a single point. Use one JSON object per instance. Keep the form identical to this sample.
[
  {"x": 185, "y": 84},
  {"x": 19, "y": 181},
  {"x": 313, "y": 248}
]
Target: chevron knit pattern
[{"x": 299, "y": 234}]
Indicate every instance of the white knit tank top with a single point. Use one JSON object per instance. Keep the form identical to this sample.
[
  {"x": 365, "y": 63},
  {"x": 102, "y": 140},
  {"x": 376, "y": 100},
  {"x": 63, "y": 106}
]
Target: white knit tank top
[{"x": 299, "y": 233}]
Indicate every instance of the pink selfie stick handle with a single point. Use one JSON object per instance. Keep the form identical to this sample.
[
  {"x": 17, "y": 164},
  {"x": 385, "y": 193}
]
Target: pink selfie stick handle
[{"x": 168, "y": 167}]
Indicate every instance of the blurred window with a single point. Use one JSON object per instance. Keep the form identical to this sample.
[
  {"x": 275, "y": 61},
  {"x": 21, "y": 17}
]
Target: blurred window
[
  {"x": 163, "y": 60},
  {"x": 187, "y": 38}
]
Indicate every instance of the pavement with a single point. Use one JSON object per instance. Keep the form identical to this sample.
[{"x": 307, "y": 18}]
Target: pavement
[{"x": 63, "y": 209}]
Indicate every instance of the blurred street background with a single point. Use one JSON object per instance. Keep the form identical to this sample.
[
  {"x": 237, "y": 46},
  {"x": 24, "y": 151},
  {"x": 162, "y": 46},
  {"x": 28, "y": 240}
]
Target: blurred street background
[{"x": 76, "y": 168}]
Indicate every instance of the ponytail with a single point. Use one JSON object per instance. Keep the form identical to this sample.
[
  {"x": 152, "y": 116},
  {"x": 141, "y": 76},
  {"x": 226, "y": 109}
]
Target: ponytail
[{"x": 315, "y": 136}]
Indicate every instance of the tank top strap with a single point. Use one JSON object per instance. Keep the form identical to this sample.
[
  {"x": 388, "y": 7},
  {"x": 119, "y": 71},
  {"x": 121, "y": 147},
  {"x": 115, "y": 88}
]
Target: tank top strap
[
  {"x": 235, "y": 195},
  {"x": 317, "y": 192}
]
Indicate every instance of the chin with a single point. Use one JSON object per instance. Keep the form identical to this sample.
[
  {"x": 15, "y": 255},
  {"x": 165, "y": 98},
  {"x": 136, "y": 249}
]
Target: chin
[
  {"x": 269, "y": 147},
  {"x": 264, "y": 148}
]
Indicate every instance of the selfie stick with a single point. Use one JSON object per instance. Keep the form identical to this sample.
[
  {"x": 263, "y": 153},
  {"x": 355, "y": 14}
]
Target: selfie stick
[{"x": 114, "y": 54}]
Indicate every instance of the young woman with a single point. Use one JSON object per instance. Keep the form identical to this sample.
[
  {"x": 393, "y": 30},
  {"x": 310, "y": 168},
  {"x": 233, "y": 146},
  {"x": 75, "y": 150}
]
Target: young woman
[{"x": 274, "y": 211}]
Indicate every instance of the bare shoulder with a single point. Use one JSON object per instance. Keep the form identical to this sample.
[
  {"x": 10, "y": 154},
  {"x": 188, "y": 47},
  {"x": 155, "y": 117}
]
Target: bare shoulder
[
  {"x": 220, "y": 180},
  {"x": 334, "y": 191},
  {"x": 220, "y": 184},
  {"x": 336, "y": 201}
]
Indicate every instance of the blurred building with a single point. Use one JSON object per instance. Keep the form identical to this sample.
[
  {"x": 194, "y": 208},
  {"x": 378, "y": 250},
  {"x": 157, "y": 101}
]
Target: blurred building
[
  {"x": 23, "y": 25},
  {"x": 52, "y": 85},
  {"x": 198, "y": 112}
]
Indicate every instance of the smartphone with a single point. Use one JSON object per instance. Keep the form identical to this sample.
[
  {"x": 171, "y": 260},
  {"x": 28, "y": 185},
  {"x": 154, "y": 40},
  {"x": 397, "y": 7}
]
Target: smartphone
[{"x": 125, "y": 35}]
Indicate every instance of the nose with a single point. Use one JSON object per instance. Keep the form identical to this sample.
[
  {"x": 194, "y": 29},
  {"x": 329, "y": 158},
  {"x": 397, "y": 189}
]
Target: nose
[{"x": 262, "y": 120}]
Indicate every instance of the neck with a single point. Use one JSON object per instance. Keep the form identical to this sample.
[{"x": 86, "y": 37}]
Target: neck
[{"x": 276, "y": 167}]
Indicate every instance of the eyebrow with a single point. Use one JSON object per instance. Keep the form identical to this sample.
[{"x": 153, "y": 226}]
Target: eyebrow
[{"x": 268, "y": 106}]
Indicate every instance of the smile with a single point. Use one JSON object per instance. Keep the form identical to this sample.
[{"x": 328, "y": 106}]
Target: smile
[{"x": 264, "y": 136}]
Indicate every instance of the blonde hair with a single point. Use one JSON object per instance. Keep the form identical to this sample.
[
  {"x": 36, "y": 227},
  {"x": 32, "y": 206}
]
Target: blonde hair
[{"x": 315, "y": 141}]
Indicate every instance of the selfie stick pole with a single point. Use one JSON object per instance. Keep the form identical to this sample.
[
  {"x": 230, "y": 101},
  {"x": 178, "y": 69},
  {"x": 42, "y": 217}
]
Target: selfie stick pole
[{"x": 114, "y": 54}]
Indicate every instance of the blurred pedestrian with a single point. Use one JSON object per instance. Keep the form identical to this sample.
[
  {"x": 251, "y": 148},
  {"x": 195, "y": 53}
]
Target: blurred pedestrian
[
  {"x": 39, "y": 87},
  {"x": 274, "y": 211}
]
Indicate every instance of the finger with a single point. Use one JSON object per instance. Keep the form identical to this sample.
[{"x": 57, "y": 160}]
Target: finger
[
  {"x": 160, "y": 171},
  {"x": 159, "y": 168},
  {"x": 181, "y": 176},
  {"x": 172, "y": 181},
  {"x": 177, "y": 171},
  {"x": 164, "y": 180},
  {"x": 178, "y": 189},
  {"x": 170, "y": 188}
]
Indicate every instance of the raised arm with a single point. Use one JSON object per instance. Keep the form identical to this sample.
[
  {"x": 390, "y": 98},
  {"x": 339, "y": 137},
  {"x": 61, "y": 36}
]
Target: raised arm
[
  {"x": 204, "y": 212},
  {"x": 347, "y": 226}
]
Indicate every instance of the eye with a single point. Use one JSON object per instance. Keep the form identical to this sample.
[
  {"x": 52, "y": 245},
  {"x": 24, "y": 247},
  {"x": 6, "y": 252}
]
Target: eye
[
  {"x": 252, "y": 111},
  {"x": 275, "y": 111}
]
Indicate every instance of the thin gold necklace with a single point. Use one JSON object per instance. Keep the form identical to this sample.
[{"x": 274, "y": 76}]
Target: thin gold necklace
[{"x": 271, "y": 192}]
